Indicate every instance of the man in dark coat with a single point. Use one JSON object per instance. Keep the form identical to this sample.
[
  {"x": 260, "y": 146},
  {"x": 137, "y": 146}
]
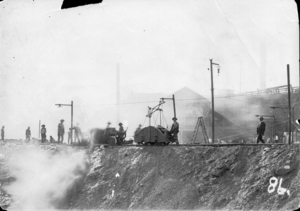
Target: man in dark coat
[
  {"x": 137, "y": 130},
  {"x": 260, "y": 130},
  {"x": 43, "y": 133},
  {"x": 175, "y": 129},
  {"x": 28, "y": 134},
  {"x": 2, "y": 133},
  {"x": 78, "y": 134},
  {"x": 60, "y": 132},
  {"x": 121, "y": 134}
]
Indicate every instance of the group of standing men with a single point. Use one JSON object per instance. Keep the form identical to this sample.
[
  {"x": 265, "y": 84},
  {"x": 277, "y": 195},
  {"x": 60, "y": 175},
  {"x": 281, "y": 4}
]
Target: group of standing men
[{"x": 60, "y": 133}]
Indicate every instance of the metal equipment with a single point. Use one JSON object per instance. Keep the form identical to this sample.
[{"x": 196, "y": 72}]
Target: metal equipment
[
  {"x": 155, "y": 135},
  {"x": 109, "y": 136},
  {"x": 205, "y": 136}
]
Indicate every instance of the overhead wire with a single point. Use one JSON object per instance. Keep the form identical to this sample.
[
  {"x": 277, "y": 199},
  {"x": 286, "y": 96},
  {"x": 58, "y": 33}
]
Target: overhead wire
[{"x": 239, "y": 39}]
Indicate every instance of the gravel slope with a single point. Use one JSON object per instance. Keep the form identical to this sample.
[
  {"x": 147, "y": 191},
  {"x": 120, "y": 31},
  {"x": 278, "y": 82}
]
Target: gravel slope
[
  {"x": 236, "y": 177},
  {"x": 170, "y": 177}
]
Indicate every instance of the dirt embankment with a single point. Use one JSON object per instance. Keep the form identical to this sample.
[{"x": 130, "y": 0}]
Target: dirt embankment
[
  {"x": 169, "y": 177},
  {"x": 236, "y": 177}
]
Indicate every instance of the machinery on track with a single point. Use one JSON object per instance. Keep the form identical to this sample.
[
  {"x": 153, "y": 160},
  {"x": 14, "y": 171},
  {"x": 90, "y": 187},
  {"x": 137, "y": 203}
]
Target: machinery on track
[
  {"x": 158, "y": 135},
  {"x": 109, "y": 136}
]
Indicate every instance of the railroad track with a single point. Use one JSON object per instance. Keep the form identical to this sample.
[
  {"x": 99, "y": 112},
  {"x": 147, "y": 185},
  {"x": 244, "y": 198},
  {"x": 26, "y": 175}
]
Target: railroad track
[{"x": 170, "y": 145}]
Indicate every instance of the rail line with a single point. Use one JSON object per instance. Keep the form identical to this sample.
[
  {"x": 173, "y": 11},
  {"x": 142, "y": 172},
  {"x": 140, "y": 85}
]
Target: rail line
[
  {"x": 192, "y": 145},
  {"x": 170, "y": 145}
]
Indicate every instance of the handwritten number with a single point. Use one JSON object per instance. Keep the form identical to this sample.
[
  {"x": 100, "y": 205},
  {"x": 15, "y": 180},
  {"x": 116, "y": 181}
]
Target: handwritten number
[
  {"x": 280, "y": 190},
  {"x": 272, "y": 185}
]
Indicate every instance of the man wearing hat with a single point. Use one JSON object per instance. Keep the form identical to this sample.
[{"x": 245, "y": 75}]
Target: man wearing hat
[
  {"x": 260, "y": 130},
  {"x": 43, "y": 133},
  {"x": 107, "y": 129},
  {"x": 120, "y": 133},
  {"x": 60, "y": 132},
  {"x": 175, "y": 129}
]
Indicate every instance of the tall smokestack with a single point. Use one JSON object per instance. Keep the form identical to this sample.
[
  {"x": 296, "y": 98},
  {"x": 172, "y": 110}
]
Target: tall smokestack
[
  {"x": 118, "y": 92},
  {"x": 263, "y": 56}
]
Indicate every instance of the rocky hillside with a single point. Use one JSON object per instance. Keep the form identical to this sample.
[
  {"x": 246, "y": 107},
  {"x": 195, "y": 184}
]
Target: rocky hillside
[
  {"x": 262, "y": 177},
  {"x": 235, "y": 177}
]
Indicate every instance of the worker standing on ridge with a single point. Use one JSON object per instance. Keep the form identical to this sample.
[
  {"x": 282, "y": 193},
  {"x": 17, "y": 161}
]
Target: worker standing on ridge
[
  {"x": 61, "y": 132},
  {"x": 175, "y": 130},
  {"x": 260, "y": 130},
  {"x": 137, "y": 131},
  {"x": 107, "y": 128},
  {"x": 28, "y": 134},
  {"x": 120, "y": 134},
  {"x": 2, "y": 133},
  {"x": 77, "y": 133},
  {"x": 43, "y": 133}
]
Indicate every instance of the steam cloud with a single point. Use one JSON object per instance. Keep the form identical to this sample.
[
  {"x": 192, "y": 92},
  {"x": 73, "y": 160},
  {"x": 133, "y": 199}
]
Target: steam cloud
[{"x": 43, "y": 177}]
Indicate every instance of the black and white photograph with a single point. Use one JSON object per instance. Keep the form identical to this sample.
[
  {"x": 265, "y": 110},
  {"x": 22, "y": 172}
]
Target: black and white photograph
[{"x": 149, "y": 105}]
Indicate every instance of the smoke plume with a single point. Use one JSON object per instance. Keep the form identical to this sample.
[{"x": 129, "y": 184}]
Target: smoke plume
[{"x": 43, "y": 177}]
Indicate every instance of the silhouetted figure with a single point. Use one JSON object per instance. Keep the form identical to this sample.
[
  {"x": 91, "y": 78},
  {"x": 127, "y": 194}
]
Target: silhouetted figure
[
  {"x": 260, "y": 130},
  {"x": 137, "y": 131},
  {"x": 175, "y": 129},
  {"x": 120, "y": 134},
  {"x": 43, "y": 133},
  {"x": 61, "y": 132},
  {"x": 78, "y": 134},
  {"x": 2, "y": 133},
  {"x": 52, "y": 140},
  {"x": 28, "y": 134}
]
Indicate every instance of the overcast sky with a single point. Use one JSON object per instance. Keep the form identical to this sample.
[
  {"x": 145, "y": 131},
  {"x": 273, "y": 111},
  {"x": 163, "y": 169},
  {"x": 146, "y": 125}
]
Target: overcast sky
[{"x": 53, "y": 56}]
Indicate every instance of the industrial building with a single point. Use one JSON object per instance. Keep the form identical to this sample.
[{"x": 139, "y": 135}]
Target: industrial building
[{"x": 236, "y": 115}]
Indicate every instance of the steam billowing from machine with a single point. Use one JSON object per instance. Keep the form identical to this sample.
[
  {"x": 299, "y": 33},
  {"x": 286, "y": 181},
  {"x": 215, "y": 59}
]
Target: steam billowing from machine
[{"x": 43, "y": 177}]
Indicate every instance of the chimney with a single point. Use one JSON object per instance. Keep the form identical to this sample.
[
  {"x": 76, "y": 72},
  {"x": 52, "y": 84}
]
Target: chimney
[{"x": 263, "y": 58}]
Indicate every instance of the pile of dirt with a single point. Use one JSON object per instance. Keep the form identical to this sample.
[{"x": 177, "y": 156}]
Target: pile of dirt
[{"x": 235, "y": 177}]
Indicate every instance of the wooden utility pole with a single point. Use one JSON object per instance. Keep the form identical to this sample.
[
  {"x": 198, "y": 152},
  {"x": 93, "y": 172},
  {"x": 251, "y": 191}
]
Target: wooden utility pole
[
  {"x": 72, "y": 122},
  {"x": 212, "y": 100},
  {"x": 289, "y": 97}
]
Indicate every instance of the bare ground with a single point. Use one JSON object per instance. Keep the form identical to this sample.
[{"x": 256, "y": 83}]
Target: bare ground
[{"x": 170, "y": 177}]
